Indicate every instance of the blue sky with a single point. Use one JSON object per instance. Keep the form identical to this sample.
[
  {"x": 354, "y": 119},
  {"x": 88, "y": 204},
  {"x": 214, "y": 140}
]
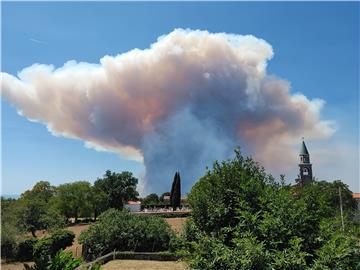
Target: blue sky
[{"x": 316, "y": 48}]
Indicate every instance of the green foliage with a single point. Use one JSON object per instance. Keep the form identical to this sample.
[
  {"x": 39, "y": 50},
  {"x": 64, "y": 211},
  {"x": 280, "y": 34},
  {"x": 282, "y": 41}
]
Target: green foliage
[
  {"x": 32, "y": 213},
  {"x": 41, "y": 190},
  {"x": 118, "y": 188},
  {"x": 290, "y": 258},
  {"x": 175, "y": 194},
  {"x": 327, "y": 199},
  {"x": 212, "y": 253},
  {"x": 231, "y": 187},
  {"x": 243, "y": 219},
  {"x": 35, "y": 209},
  {"x": 151, "y": 199},
  {"x": 26, "y": 249},
  {"x": 73, "y": 199},
  {"x": 60, "y": 261},
  {"x": 125, "y": 232},
  {"x": 9, "y": 228},
  {"x": 49, "y": 246},
  {"x": 341, "y": 252},
  {"x": 62, "y": 239},
  {"x": 64, "y": 261},
  {"x": 98, "y": 200},
  {"x": 8, "y": 242},
  {"x": 95, "y": 266}
]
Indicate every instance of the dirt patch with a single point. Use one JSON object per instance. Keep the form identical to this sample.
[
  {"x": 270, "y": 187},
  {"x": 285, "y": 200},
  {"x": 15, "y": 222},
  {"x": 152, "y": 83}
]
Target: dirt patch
[
  {"x": 143, "y": 265},
  {"x": 14, "y": 265},
  {"x": 76, "y": 248},
  {"x": 177, "y": 224}
]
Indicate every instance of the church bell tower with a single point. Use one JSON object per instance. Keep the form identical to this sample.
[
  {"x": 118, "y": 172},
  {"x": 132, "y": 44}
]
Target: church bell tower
[{"x": 305, "y": 176}]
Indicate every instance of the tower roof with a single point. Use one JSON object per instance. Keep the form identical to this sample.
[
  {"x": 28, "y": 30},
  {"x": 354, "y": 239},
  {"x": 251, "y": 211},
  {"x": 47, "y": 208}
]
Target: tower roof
[{"x": 303, "y": 149}]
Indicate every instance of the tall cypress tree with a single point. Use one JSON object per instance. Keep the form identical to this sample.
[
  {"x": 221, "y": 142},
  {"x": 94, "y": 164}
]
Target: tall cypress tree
[
  {"x": 172, "y": 190},
  {"x": 176, "y": 197}
]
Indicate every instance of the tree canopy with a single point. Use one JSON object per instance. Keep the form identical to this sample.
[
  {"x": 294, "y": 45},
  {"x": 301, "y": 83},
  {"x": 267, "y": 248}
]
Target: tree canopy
[
  {"x": 74, "y": 199},
  {"x": 243, "y": 219},
  {"x": 118, "y": 188}
]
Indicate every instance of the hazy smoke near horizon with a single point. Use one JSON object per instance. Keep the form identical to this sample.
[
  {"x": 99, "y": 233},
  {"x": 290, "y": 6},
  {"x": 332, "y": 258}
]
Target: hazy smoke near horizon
[{"x": 181, "y": 104}]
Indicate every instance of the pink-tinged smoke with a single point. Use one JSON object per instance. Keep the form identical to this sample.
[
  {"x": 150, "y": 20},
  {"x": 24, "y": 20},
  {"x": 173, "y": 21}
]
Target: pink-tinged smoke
[{"x": 181, "y": 104}]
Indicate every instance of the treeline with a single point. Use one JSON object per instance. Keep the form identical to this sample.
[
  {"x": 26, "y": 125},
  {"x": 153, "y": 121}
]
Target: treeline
[
  {"x": 46, "y": 207},
  {"x": 172, "y": 198}
]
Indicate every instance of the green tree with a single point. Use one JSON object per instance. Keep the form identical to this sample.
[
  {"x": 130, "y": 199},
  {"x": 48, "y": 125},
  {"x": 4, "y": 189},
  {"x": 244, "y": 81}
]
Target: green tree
[
  {"x": 98, "y": 200},
  {"x": 151, "y": 199},
  {"x": 118, "y": 187},
  {"x": 327, "y": 197},
  {"x": 244, "y": 219},
  {"x": 74, "y": 199},
  {"x": 32, "y": 213},
  {"x": 35, "y": 211},
  {"x": 43, "y": 190}
]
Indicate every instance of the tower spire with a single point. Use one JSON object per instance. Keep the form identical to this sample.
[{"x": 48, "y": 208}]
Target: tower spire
[{"x": 305, "y": 166}]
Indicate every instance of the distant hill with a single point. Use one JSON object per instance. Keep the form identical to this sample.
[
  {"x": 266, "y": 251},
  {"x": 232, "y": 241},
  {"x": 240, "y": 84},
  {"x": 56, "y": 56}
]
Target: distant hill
[{"x": 10, "y": 196}]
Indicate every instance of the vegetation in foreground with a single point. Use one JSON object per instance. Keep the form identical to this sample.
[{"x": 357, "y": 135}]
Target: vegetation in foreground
[
  {"x": 243, "y": 219},
  {"x": 122, "y": 231}
]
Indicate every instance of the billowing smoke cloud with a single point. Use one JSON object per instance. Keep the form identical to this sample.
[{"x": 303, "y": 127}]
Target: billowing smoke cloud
[{"x": 187, "y": 100}]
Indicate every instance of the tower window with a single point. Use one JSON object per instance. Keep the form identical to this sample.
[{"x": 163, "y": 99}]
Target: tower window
[{"x": 305, "y": 171}]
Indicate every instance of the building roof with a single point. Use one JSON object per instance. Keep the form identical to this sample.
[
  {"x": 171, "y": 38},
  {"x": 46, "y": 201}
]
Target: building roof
[
  {"x": 303, "y": 149},
  {"x": 356, "y": 195},
  {"x": 133, "y": 202}
]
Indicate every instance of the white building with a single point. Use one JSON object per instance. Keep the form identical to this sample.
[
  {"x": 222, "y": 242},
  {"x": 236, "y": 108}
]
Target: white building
[{"x": 133, "y": 206}]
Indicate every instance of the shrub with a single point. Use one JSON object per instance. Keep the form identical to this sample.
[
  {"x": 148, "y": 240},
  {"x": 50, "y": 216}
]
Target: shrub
[
  {"x": 49, "y": 246},
  {"x": 61, "y": 261},
  {"x": 26, "y": 249},
  {"x": 62, "y": 239},
  {"x": 125, "y": 232},
  {"x": 340, "y": 252},
  {"x": 64, "y": 261},
  {"x": 9, "y": 240}
]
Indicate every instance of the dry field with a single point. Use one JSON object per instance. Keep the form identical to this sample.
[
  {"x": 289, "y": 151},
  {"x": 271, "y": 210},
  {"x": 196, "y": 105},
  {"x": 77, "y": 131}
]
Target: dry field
[
  {"x": 176, "y": 224},
  {"x": 143, "y": 265},
  {"x": 14, "y": 266}
]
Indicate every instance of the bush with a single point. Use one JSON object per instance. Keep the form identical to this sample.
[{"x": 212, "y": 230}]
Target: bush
[
  {"x": 9, "y": 235},
  {"x": 62, "y": 239},
  {"x": 64, "y": 261},
  {"x": 340, "y": 252},
  {"x": 26, "y": 249},
  {"x": 49, "y": 246},
  {"x": 123, "y": 231},
  {"x": 61, "y": 261}
]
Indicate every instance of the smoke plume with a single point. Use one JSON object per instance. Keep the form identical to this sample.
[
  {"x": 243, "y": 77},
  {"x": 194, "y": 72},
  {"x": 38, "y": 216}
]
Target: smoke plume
[{"x": 181, "y": 104}]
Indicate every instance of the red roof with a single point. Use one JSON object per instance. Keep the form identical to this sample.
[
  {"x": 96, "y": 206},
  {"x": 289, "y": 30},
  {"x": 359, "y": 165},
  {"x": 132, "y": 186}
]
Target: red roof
[
  {"x": 133, "y": 202},
  {"x": 356, "y": 195}
]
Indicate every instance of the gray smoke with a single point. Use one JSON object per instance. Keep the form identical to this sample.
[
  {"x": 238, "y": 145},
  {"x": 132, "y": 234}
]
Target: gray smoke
[{"x": 181, "y": 104}]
